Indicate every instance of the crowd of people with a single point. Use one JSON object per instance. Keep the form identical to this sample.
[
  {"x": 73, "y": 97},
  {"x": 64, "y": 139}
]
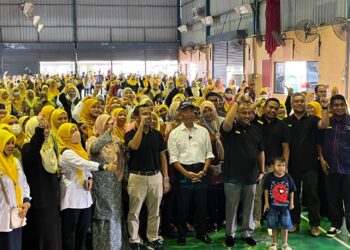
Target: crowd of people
[{"x": 129, "y": 160}]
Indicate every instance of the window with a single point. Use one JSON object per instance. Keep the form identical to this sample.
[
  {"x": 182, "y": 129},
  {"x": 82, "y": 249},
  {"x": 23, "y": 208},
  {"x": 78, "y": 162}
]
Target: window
[{"x": 299, "y": 75}]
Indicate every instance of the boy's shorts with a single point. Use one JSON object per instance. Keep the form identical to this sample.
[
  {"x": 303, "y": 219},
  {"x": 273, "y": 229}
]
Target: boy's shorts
[{"x": 279, "y": 217}]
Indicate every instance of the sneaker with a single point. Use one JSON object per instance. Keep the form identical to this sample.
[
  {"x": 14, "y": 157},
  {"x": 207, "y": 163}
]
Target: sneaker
[
  {"x": 155, "y": 245},
  {"x": 250, "y": 241},
  {"x": 257, "y": 225},
  {"x": 273, "y": 246},
  {"x": 230, "y": 241},
  {"x": 315, "y": 231},
  {"x": 286, "y": 247},
  {"x": 134, "y": 246},
  {"x": 332, "y": 232}
]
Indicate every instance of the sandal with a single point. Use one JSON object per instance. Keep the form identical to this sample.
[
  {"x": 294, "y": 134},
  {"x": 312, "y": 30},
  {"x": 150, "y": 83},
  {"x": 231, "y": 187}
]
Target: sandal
[{"x": 273, "y": 246}]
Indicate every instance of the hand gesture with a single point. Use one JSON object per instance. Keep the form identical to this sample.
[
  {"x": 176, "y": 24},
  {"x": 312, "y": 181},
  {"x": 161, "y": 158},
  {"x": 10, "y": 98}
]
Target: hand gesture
[
  {"x": 110, "y": 124},
  {"x": 111, "y": 167},
  {"x": 291, "y": 206},
  {"x": 238, "y": 97},
  {"x": 266, "y": 207},
  {"x": 166, "y": 187},
  {"x": 84, "y": 129},
  {"x": 23, "y": 209},
  {"x": 260, "y": 178},
  {"x": 88, "y": 184},
  {"x": 143, "y": 119},
  {"x": 324, "y": 166},
  {"x": 324, "y": 102},
  {"x": 191, "y": 175},
  {"x": 289, "y": 90}
]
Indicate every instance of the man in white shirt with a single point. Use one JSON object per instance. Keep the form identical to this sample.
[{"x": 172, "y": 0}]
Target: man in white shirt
[{"x": 191, "y": 154}]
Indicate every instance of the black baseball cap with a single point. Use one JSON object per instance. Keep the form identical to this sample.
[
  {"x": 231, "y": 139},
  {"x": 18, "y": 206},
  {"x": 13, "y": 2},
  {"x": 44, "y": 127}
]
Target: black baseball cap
[{"x": 185, "y": 104}]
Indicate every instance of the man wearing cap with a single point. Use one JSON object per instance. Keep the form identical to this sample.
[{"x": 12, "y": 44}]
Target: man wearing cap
[{"x": 191, "y": 153}]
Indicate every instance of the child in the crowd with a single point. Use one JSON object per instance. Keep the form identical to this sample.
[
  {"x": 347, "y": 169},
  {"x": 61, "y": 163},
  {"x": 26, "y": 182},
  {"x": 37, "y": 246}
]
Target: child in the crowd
[{"x": 279, "y": 191}]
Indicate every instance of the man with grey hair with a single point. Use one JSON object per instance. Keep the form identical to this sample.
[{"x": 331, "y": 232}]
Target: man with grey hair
[{"x": 303, "y": 161}]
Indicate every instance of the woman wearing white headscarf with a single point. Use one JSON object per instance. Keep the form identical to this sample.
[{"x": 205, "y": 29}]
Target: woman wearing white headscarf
[{"x": 216, "y": 196}]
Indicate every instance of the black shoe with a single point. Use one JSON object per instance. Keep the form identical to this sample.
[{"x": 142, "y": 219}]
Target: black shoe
[
  {"x": 250, "y": 241},
  {"x": 205, "y": 238},
  {"x": 134, "y": 246},
  {"x": 181, "y": 241},
  {"x": 230, "y": 241},
  {"x": 155, "y": 245}
]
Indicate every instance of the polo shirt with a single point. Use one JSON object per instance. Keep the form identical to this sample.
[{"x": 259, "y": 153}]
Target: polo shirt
[
  {"x": 303, "y": 150},
  {"x": 147, "y": 156},
  {"x": 336, "y": 145},
  {"x": 274, "y": 134},
  {"x": 242, "y": 146}
]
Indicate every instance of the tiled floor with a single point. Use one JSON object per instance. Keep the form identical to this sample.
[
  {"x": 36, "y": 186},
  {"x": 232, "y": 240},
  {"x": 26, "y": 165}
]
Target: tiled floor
[{"x": 298, "y": 241}]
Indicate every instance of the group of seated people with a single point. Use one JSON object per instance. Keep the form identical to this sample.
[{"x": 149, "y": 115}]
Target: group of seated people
[{"x": 148, "y": 157}]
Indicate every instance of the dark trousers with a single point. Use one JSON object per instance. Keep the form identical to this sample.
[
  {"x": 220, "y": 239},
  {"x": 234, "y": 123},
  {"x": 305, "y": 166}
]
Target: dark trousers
[
  {"x": 309, "y": 183},
  {"x": 216, "y": 203},
  {"x": 185, "y": 196},
  {"x": 11, "y": 240},
  {"x": 43, "y": 229},
  {"x": 338, "y": 186},
  {"x": 75, "y": 224}
]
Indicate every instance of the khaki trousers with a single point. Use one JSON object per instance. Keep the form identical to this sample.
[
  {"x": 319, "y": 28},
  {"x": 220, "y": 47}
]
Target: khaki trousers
[{"x": 142, "y": 189}]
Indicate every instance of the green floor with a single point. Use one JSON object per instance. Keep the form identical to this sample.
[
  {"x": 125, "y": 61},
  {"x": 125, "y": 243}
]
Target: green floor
[{"x": 298, "y": 241}]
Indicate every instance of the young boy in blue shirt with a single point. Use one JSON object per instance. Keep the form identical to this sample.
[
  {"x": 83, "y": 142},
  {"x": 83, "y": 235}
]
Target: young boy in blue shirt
[{"x": 279, "y": 191}]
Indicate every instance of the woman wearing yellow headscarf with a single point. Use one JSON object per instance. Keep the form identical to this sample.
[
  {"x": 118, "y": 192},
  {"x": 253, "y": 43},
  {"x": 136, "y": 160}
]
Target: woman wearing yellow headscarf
[
  {"x": 112, "y": 103},
  {"x": 179, "y": 97},
  {"x": 89, "y": 113},
  {"x": 17, "y": 101},
  {"x": 5, "y": 99},
  {"x": 22, "y": 90},
  {"x": 30, "y": 102},
  {"x": 40, "y": 166},
  {"x": 46, "y": 112},
  {"x": 76, "y": 184},
  {"x": 58, "y": 117},
  {"x": 22, "y": 122},
  {"x": 17, "y": 189},
  {"x": 162, "y": 111},
  {"x": 119, "y": 131},
  {"x": 53, "y": 91},
  {"x": 155, "y": 124},
  {"x": 282, "y": 113},
  {"x": 314, "y": 108}
]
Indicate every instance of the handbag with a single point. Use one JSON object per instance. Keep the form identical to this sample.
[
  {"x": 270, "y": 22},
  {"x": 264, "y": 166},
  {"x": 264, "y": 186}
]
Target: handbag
[{"x": 15, "y": 220}]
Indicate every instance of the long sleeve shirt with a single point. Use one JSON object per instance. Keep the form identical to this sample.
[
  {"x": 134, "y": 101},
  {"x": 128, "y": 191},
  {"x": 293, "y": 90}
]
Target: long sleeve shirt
[
  {"x": 73, "y": 193},
  {"x": 11, "y": 193}
]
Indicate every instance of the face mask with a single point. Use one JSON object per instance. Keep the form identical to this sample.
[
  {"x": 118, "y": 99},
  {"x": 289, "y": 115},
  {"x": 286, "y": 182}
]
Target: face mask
[
  {"x": 16, "y": 94},
  {"x": 76, "y": 137},
  {"x": 16, "y": 129},
  {"x": 228, "y": 96}
]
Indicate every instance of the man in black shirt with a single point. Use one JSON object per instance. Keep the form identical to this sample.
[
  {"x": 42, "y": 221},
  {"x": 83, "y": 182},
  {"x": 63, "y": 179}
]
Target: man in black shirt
[
  {"x": 276, "y": 139},
  {"x": 244, "y": 167},
  {"x": 303, "y": 161},
  {"x": 146, "y": 182}
]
